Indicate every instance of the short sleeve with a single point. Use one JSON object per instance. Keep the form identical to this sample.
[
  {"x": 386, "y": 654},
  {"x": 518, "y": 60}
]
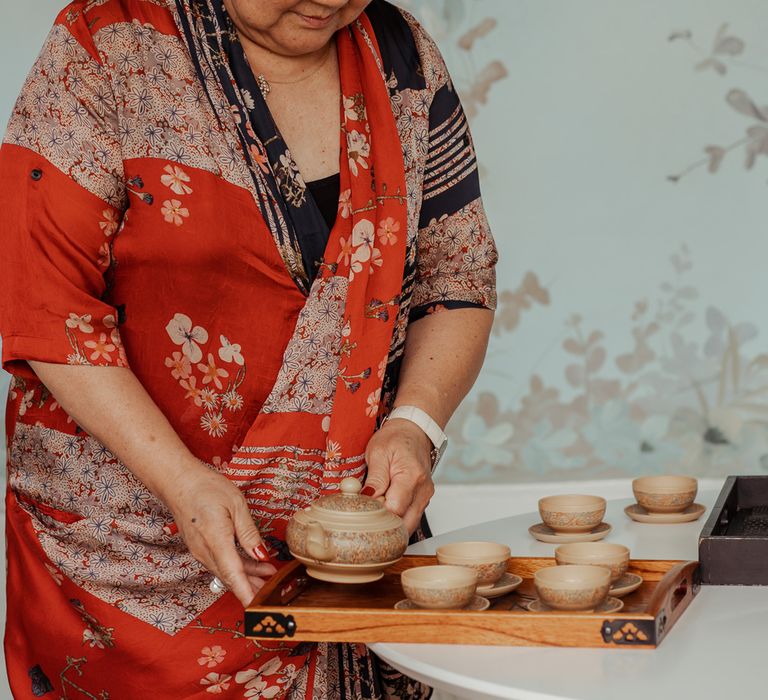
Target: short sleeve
[
  {"x": 456, "y": 254},
  {"x": 62, "y": 199}
]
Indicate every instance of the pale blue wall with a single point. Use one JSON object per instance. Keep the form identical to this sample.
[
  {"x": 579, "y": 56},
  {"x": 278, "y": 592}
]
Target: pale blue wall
[
  {"x": 602, "y": 101},
  {"x": 597, "y": 108}
]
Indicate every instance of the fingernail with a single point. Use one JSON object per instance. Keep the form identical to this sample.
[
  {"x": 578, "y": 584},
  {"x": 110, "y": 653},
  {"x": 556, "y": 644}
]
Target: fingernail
[
  {"x": 260, "y": 553},
  {"x": 368, "y": 491}
]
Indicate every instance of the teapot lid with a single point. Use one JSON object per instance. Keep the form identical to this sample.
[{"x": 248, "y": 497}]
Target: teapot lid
[{"x": 349, "y": 500}]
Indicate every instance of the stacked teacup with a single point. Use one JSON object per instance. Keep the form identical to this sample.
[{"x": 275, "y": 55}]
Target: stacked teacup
[
  {"x": 466, "y": 576},
  {"x": 488, "y": 560},
  {"x": 583, "y": 579}
]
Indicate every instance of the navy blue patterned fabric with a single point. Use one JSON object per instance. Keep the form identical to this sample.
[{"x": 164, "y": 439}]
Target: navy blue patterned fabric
[
  {"x": 450, "y": 181},
  {"x": 291, "y": 214}
]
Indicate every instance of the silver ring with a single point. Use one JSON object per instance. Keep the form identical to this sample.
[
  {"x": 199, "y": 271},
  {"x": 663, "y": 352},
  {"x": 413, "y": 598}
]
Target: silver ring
[{"x": 216, "y": 585}]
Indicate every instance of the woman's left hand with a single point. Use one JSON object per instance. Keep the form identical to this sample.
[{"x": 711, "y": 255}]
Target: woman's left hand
[{"x": 399, "y": 457}]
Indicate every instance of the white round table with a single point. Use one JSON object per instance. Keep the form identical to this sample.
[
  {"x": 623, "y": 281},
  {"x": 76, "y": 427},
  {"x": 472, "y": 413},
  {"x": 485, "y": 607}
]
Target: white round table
[{"x": 717, "y": 650}]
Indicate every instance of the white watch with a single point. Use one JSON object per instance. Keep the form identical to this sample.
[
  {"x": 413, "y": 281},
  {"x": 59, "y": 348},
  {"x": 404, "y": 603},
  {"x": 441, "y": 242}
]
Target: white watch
[{"x": 433, "y": 431}]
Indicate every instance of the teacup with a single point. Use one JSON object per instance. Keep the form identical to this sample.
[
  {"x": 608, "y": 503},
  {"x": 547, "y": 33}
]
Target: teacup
[
  {"x": 612, "y": 556},
  {"x": 439, "y": 587},
  {"x": 572, "y": 587},
  {"x": 665, "y": 494},
  {"x": 572, "y": 513},
  {"x": 487, "y": 559}
]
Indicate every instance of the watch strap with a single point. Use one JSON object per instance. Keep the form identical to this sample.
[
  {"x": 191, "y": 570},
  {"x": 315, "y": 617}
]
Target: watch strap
[{"x": 421, "y": 418}]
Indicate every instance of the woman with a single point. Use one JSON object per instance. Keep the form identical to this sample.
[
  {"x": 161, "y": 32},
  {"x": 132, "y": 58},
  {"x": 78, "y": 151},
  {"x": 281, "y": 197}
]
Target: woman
[{"x": 205, "y": 328}]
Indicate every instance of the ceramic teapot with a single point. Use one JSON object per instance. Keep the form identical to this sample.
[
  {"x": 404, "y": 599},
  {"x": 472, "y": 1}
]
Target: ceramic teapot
[{"x": 346, "y": 537}]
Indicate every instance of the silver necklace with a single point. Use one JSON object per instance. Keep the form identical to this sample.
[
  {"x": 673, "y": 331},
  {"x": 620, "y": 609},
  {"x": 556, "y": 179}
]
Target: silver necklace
[{"x": 264, "y": 85}]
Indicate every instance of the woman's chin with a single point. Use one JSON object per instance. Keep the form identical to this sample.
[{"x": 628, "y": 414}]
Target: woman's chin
[{"x": 305, "y": 42}]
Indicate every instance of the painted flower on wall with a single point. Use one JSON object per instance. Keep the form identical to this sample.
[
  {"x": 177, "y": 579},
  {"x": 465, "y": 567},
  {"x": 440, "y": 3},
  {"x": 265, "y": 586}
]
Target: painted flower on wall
[
  {"x": 673, "y": 401},
  {"x": 724, "y": 53}
]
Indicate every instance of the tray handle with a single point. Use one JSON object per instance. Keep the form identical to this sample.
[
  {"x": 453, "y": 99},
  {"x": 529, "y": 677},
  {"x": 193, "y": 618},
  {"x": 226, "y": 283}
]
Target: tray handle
[
  {"x": 673, "y": 595},
  {"x": 283, "y": 587}
]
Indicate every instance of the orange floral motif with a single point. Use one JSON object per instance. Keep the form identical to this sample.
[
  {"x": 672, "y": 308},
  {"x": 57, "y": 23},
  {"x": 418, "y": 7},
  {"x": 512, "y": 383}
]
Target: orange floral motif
[
  {"x": 259, "y": 157},
  {"x": 176, "y": 179},
  {"x": 217, "y": 683},
  {"x": 100, "y": 348},
  {"x": 388, "y": 229},
  {"x": 105, "y": 255},
  {"x": 212, "y": 373},
  {"x": 82, "y": 323},
  {"x": 345, "y": 203},
  {"x": 173, "y": 212},
  {"x": 212, "y": 656},
  {"x": 110, "y": 223},
  {"x": 179, "y": 364},
  {"x": 346, "y": 250},
  {"x": 193, "y": 392},
  {"x": 373, "y": 403}
]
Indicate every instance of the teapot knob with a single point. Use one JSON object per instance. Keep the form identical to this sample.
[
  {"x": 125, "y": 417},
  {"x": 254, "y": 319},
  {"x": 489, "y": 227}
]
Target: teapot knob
[{"x": 350, "y": 486}]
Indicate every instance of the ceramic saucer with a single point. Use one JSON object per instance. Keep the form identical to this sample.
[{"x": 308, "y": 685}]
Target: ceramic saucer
[
  {"x": 506, "y": 584},
  {"x": 625, "y": 585},
  {"x": 544, "y": 533},
  {"x": 641, "y": 515},
  {"x": 609, "y": 605},
  {"x": 478, "y": 603}
]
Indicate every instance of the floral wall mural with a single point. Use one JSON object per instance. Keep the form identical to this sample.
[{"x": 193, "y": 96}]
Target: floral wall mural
[
  {"x": 621, "y": 148},
  {"x": 657, "y": 379}
]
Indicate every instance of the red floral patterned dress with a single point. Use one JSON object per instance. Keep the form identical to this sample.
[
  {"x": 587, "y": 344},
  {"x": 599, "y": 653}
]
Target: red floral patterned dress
[{"x": 150, "y": 227}]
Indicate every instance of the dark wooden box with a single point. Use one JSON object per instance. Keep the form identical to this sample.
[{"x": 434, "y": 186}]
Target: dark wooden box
[{"x": 733, "y": 545}]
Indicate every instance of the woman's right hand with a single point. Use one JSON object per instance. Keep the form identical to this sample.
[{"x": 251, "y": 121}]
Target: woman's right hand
[
  {"x": 111, "y": 404},
  {"x": 211, "y": 513}
]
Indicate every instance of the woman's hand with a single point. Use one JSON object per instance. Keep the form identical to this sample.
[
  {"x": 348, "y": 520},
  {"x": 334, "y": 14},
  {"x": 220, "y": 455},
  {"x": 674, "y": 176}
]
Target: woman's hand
[
  {"x": 111, "y": 404},
  {"x": 399, "y": 457},
  {"x": 211, "y": 512}
]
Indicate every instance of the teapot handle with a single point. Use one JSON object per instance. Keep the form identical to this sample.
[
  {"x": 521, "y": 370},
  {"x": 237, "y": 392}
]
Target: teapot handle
[{"x": 319, "y": 545}]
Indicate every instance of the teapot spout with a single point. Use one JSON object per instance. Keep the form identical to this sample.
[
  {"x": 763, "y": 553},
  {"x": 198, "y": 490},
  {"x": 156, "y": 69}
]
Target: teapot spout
[{"x": 318, "y": 543}]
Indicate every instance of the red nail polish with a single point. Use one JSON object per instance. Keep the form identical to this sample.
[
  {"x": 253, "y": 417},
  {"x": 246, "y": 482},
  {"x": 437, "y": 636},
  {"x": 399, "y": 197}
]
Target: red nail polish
[
  {"x": 260, "y": 553},
  {"x": 368, "y": 491}
]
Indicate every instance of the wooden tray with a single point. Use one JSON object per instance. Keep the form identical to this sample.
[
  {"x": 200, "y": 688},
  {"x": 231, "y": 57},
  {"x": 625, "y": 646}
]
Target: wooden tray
[{"x": 297, "y": 607}]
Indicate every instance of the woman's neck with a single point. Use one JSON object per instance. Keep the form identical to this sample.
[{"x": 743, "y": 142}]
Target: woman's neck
[
  {"x": 279, "y": 68},
  {"x": 269, "y": 57}
]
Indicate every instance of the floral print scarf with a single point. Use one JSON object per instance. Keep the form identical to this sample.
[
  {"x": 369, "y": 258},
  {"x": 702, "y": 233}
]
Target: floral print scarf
[
  {"x": 291, "y": 213},
  {"x": 341, "y": 342}
]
